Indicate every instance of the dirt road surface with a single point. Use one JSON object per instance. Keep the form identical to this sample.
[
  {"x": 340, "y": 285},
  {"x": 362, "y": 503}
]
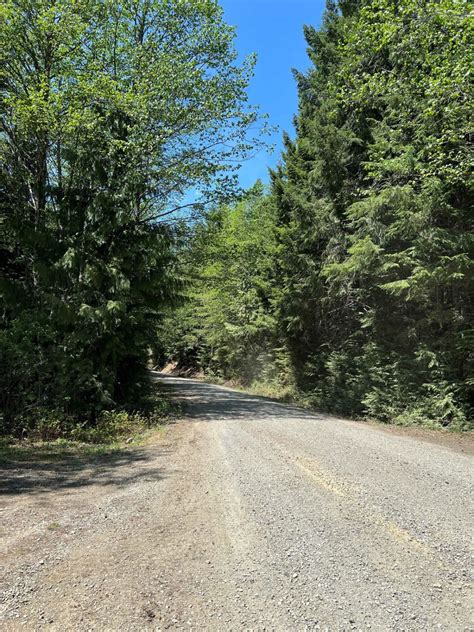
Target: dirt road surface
[{"x": 248, "y": 515}]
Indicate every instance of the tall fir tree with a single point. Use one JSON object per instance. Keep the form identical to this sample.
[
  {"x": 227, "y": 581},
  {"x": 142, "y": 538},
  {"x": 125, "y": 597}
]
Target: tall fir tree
[
  {"x": 109, "y": 113},
  {"x": 375, "y": 206}
]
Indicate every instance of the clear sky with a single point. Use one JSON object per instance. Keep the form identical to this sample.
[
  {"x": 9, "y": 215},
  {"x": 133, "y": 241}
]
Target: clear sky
[{"x": 274, "y": 30}]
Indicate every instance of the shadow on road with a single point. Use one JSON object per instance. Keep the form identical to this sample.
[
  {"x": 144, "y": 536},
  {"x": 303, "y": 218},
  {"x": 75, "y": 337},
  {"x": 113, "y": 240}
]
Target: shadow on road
[
  {"x": 43, "y": 473},
  {"x": 207, "y": 402},
  {"x": 36, "y": 472}
]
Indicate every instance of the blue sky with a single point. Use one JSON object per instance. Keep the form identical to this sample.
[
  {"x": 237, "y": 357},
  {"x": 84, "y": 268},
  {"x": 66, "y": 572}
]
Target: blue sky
[{"x": 274, "y": 30}]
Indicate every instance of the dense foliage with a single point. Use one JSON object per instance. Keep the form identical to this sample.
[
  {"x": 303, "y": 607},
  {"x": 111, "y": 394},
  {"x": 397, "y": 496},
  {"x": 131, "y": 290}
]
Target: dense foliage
[
  {"x": 226, "y": 327},
  {"x": 109, "y": 113},
  {"x": 360, "y": 261},
  {"x": 350, "y": 281}
]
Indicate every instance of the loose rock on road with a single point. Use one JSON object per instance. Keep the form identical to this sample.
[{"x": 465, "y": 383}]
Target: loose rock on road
[{"x": 249, "y": 515}]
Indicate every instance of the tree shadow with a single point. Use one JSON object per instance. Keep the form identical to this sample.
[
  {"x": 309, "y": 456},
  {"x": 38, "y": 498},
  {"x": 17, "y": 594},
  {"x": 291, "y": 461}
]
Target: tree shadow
[
  {"x": 40, "y": 473},
  {"x": 207, "y": 402}
]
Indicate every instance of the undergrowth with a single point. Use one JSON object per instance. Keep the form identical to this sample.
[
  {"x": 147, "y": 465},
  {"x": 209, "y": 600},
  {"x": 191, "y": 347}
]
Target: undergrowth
[
  {"x": 54, "y": 435},
  {"x": 430, "y": 414}
]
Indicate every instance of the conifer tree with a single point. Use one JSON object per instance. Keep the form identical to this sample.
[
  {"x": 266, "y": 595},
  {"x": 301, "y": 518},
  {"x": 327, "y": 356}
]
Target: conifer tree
[
  {"x": 109, "y": 113},
  {"x": 375, "y": 204}
]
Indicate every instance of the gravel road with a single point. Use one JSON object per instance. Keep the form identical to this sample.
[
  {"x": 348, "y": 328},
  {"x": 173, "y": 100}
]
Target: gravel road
[{"x": 248, "y": 515}]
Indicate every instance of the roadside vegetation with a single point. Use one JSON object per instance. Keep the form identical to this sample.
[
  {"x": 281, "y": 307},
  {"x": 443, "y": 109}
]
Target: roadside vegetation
[
  {"x": 53, "y": 436},
  {"x": 347, "y": 283},
  {"x": 110, "y": 112}
]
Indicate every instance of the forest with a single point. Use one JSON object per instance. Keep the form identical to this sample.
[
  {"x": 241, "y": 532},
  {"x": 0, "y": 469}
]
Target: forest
[{"x": 345, "y": 283}]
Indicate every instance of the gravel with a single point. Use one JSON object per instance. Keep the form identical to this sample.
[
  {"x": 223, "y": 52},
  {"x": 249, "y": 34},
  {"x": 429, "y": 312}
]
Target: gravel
[{"x": 249, "y": 515}]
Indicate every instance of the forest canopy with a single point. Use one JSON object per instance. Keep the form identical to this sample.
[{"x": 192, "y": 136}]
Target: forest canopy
[
  {"x": 355, "y": 292},
  {"x": 110, "y": 113},
  {"x": 346, "y": 283}
]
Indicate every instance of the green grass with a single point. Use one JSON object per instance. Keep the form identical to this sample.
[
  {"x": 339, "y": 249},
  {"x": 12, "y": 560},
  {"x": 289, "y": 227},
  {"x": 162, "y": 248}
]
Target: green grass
[
  {"x": 54, "y": 526},
  {"x": 14, "y": 450},
  {"x": 54, "y": 437}
]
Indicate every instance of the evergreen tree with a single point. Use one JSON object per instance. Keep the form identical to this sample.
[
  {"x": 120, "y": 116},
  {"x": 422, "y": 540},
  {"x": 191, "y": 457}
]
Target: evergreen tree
[
  {"x": 109, "y": 113},
  {"x": 375, "y": 204},
  {"x": 226, "y": 326}
]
